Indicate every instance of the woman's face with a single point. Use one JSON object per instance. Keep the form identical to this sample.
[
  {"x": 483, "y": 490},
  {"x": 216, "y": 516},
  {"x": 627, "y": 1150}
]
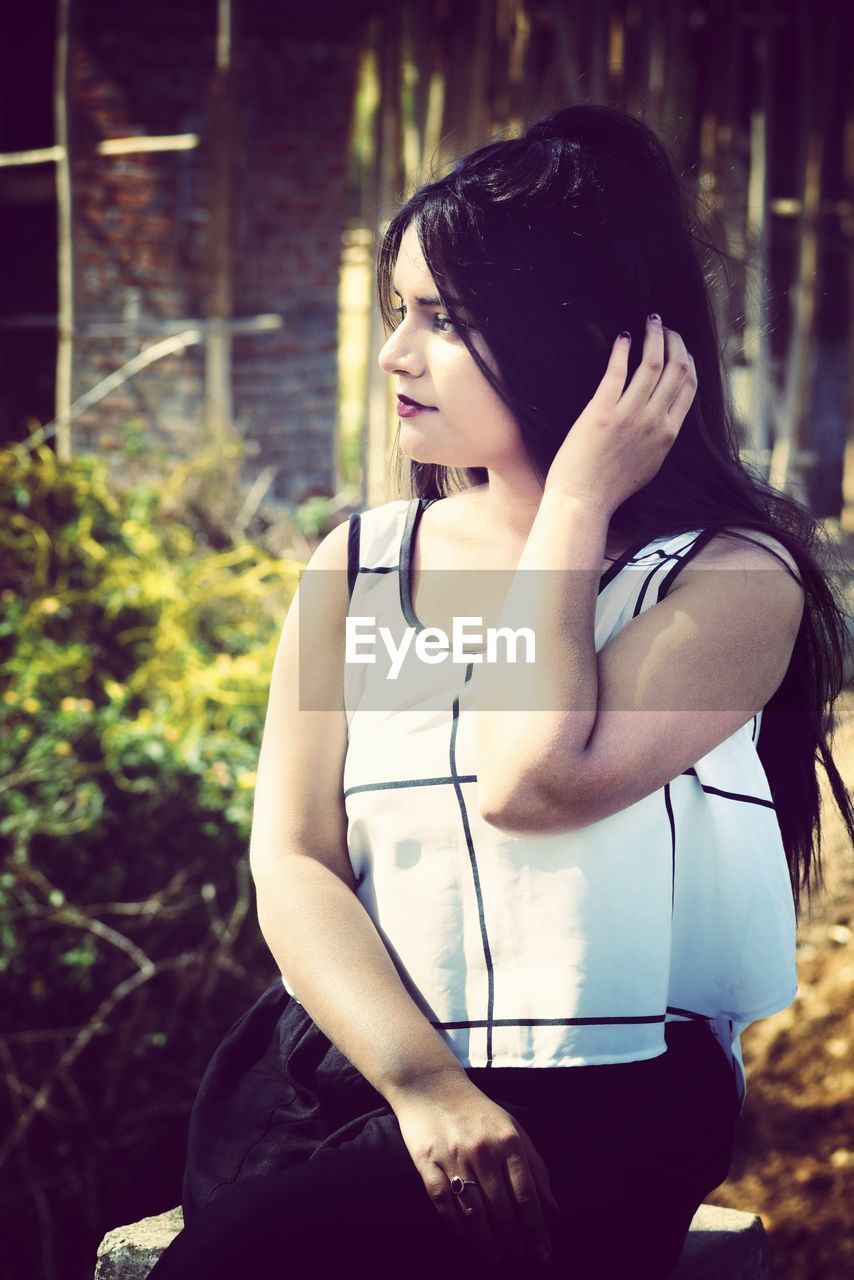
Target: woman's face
[{"x": 468, "y": 424}]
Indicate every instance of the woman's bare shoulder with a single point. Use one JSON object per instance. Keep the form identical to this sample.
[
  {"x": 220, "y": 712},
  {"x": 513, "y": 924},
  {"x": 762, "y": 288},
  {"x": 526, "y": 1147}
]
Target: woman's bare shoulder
[{"x": 729, "y": 550}]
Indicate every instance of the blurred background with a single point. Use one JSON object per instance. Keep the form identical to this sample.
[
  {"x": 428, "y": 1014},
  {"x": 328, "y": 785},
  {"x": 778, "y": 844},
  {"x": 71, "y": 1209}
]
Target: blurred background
[{"x": 190, "y": 201}]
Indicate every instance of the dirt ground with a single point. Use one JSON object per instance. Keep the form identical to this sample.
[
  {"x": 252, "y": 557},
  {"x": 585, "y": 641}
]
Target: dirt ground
[{"x": 794, "y": 1155}]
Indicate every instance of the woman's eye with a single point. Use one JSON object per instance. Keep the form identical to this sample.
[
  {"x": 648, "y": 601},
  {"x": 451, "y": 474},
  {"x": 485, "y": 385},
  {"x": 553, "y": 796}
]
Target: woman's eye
[{"x": 445, "y": 323}]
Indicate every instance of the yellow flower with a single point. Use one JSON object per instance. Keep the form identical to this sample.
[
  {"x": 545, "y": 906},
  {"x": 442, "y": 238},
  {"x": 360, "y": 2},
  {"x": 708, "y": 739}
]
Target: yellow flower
[
  {"x": 68, "y": 704},
  {"x": 31, "y": 705},
  {"x": 85, "y": 704},
  {"x": 11, "y": 697},
  {"x": 63, "y": 748},
  {"x": 246, "y": 781},
  {"x": 50, "y": 604}
]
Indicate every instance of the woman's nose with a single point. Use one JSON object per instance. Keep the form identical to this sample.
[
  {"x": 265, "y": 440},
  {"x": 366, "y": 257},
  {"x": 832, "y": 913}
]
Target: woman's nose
[{"x": 397, "y": 354}]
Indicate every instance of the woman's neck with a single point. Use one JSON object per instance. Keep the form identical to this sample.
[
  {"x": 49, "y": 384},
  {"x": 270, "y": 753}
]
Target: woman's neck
[{"x": 509, "y": 516}]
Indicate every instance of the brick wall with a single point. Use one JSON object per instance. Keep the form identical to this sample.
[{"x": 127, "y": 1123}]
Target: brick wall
[{"x": 141, "y": 223}]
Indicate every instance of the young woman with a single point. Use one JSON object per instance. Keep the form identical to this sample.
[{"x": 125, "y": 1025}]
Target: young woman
[{"x": 522, "y": 913}]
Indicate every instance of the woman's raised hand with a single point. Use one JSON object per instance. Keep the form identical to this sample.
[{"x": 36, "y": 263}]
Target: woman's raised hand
[
  {"x": 624, "y": 434},
  {"x": 452, "y": 1129}
]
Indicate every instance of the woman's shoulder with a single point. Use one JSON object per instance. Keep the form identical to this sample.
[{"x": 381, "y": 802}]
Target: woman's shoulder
[
  {"x": 739, "y": 547},
  {"x": 385, "y": 512},
  {"x": 728, "y": 549}
]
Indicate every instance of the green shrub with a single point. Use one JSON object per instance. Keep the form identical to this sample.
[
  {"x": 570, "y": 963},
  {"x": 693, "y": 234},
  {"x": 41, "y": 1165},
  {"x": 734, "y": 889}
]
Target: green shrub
[{"x": 134, "y": 671}]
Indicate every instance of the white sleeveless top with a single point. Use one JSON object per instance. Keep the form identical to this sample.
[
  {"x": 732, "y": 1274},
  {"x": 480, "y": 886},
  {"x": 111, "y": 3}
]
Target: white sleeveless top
[{"x": 570, "y": 948}]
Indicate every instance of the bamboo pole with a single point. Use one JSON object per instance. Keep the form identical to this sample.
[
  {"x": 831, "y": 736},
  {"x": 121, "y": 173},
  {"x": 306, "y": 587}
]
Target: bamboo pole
[
  {"x": 654, "y": 28},
  {"x": 419, "y": 53},
  {"x": 566, "y": 42},
  {"x": 847, "y": 227},
  {"x": 756, "y": 339},
  {"x": 597, "y": 50},
  {"x": 422, "y": 121},
  {"x": 616, "y": 57},
  {"x": 218, "y": 393},
  {"x": 468, "y": 54},
  {"x": 518, "y": 59},
  {"x": 65, "y": 250},
  {"x": 387, "y": 185},
  {"x": 677, "y": 62},
  {"x": 800, "y": 360},
  {"x": 731, "y": 183}
]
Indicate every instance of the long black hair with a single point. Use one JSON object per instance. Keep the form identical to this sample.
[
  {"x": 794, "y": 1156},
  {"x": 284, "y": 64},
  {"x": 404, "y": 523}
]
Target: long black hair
[{"x": 554, "y": 242}]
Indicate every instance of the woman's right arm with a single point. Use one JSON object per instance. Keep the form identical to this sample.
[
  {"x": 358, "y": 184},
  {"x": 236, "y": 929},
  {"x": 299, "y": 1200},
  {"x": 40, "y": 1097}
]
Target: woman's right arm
[{"x": 322, "y": 938}]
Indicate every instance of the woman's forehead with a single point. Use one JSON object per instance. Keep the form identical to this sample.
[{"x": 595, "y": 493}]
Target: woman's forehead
[{"x": 410, "y": 268}]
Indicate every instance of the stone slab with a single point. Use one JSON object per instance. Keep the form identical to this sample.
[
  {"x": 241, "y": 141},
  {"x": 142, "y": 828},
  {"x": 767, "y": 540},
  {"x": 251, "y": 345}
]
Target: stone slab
[{"x": 723, "y": 1244}]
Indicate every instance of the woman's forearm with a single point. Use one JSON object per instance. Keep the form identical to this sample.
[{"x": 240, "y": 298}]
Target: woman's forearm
[
  {"x": 328, "y": 948},
  {"x": 535, "y": 722}
]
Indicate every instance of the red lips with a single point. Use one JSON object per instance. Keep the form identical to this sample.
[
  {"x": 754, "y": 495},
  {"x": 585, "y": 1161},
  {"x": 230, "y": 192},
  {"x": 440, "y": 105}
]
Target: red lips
[{"x": 415, "y": 403}]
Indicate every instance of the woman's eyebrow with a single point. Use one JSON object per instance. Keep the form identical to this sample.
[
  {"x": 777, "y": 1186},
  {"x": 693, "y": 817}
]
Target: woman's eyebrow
[
  {"x": 425, "y": 302},
  {"x": 447, "y": 301}
]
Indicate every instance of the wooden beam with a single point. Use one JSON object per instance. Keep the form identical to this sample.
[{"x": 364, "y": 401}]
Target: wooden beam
[
  {"x": 164, "y": 142},
  {"x": 169, "y": 346},
  {"x": 40, "y": 155},
  {"x": 146, "y": 324},
  {"x": 106, "y": 147}
]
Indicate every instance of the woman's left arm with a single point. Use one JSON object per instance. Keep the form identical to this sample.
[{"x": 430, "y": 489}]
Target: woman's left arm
[{"x": 579, "y": 735}]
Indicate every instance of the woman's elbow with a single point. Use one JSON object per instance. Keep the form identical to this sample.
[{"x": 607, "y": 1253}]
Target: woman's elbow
[{"x": 531, "y": 813}]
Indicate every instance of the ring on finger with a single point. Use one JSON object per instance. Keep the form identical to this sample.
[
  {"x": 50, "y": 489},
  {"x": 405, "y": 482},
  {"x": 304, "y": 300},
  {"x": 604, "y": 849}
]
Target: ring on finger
[{"x": 458, "y": 1186}]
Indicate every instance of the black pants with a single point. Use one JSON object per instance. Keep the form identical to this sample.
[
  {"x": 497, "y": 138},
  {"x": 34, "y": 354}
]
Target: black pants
[{"x": 633, "y": 1149}]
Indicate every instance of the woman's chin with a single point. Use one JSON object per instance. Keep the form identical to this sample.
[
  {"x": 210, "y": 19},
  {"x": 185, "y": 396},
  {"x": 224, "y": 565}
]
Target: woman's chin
[
  {"x": 420, "y": 451},
  {"x": 424, "y": 456}
]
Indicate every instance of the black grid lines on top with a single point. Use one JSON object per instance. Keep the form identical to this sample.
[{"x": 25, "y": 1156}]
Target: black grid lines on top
[
  {"x": 603, "y": 1021},
  {"x": 680, "y": 556},
  {"x": 672, "y": 821},
  {"x": 737, "y": 796},
  {"x": 476, "y": 1023},
  {"x": 664, "y": 557},
  {"x": 416, "y": 509},
  {"x": 458, "y": 778},
  {"x": 396, "y": 783},
  {"x": 475, "y": 874},
  {"x": 354, "y": 534},
  {"x": 403, "y": 568},
  {"x": 354, "y": 565},
  {"x": 699, "y": 542},
  {"x": 413, "y": 515}
]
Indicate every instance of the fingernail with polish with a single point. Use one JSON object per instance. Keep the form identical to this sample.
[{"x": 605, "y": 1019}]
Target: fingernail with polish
[
  {"x": 654, "y": 317},
  {"x": 626, "y": 335}
]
